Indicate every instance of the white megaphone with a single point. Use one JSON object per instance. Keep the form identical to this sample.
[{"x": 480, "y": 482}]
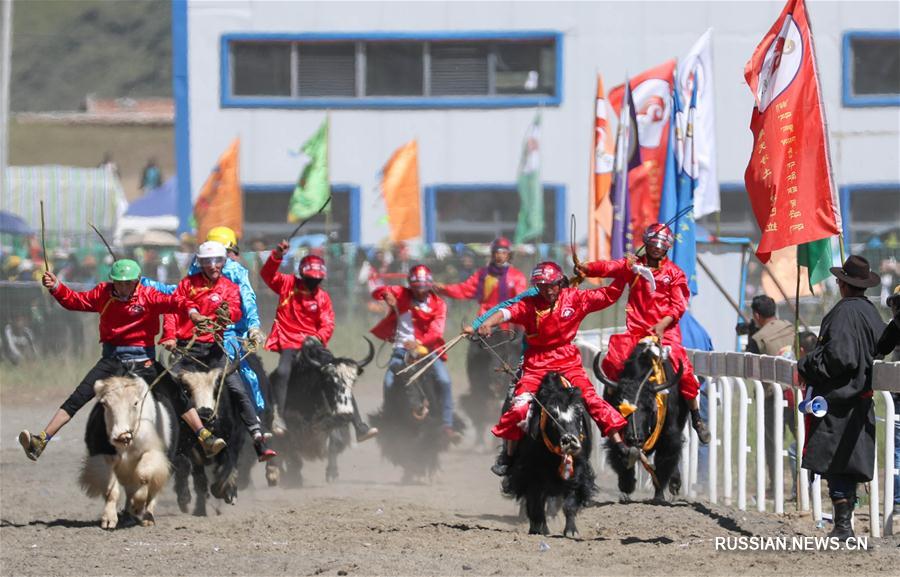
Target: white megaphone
[{"x": 815, "y": 406}]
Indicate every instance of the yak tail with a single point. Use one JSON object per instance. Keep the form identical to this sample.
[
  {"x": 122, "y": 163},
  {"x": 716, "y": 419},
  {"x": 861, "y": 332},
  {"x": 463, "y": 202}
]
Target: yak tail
[{"x": 96, "y": 474}]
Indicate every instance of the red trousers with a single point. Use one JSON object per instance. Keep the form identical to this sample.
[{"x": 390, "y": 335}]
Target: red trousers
[
  {"x": 620, "y": 347},
  {"x": 514, "y": 421}
]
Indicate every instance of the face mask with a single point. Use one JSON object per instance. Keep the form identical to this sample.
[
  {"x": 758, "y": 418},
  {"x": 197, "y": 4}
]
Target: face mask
[{"x": 311, "y": 284}]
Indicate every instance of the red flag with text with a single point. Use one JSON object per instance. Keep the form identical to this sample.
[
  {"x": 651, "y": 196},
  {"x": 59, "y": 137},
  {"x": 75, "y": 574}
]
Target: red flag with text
[
  {"x": 652, "y": 92},
  {"x": 788, "y": 178}
]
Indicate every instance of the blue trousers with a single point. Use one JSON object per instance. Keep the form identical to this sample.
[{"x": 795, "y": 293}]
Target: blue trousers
[{"x": 438, "y": 371}]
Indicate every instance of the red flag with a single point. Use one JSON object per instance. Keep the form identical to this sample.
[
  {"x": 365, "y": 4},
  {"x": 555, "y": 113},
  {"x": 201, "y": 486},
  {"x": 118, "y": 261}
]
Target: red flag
[
  {"x": 789, "y": 177},
  {"x": 652, "y": 91},
  {"x": 602, "y": 159}
]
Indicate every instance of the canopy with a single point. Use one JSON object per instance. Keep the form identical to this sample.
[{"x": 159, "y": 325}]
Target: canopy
[
  {"x": 156, "y": 210},
  {"x": 12, "y": 224}
]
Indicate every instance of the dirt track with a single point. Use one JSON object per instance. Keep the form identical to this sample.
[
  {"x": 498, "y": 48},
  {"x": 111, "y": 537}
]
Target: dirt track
[{"x": 367, "y": 523}]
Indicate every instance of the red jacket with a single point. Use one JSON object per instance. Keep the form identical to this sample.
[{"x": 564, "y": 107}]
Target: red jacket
[
  {"x": 646, "y": 308},
  {"x": 550, "y": 329},
  {"x": 131, "y": 323},
  {"x": 428, "y": 326},
  {"x": 300, "y": 313},
  {"x": 207, "y": 296},
  {"x": 490, "y": 287}
]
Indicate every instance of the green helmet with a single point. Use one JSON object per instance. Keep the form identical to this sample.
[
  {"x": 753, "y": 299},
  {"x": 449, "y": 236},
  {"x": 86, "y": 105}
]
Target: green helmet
[{"x": 125, "y": 270}]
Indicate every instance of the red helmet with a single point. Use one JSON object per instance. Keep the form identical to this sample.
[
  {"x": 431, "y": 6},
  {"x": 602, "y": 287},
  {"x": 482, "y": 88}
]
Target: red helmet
[
  {"x": 547, "y": 272},
  {"x": 659, "y": 235},
  {"x": 420, "y": 276},
  {"x": 500, "y": 243},
  {"x": 312, "y": 266}
]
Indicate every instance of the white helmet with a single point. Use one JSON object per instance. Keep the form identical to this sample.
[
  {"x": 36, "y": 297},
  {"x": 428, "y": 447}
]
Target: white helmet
[{"x": 211, "y": 249}]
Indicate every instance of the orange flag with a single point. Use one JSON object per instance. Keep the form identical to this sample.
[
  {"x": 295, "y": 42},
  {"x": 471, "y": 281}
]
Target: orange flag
[
  {"x": 220, "y": 202},
  {"x": 400, "y": 187},
  {"x": 602, "y": 159}
]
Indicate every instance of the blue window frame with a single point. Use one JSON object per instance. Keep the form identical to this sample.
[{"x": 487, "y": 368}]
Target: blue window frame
[
  {"x": 481, "y": 212},
  {"x": 869, "y": 210},
  {"x": 870, "y": 66},
  {"x": 266, "y": 208},
  {"x": 391, "y": 70}
]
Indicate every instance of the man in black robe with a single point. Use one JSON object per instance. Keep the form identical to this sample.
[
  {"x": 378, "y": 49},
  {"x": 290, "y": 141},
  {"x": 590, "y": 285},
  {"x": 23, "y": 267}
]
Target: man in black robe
[{"x": 841, "y": 445}]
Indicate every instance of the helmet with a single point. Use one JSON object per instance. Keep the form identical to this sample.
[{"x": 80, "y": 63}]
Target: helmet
[
  {"x": 312, "y": 266},
  {"x": 547, "y": 272},
  {"x": 659, "y": 235},
  {"x": 894, "y": 299},
  {"x": 211, "y": 249},
  {"x": 420, "y": 276},
  {"x": 125, "y": 270},
  {"x": 224, "y": 236},
  {"x": 500, "y": 243}
]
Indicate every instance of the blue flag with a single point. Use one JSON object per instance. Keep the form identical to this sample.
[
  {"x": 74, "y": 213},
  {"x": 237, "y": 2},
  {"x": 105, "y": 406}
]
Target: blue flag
[
  {"x": 628, "y": 156},
  {"x": 679, "y": 184}
]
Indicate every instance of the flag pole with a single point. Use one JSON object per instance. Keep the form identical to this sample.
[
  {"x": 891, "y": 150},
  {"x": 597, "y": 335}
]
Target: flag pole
[
  {"x": 328, "y": 220},
  {"x": 841, "y": 247}
]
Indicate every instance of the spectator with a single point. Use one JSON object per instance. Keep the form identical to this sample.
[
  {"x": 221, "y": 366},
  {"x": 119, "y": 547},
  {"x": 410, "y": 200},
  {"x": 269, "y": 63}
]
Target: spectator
[
  {"x": 887, "y": 344},
  {"x": 841, "y": 445},
  {"x": 151, "y": 177},
  {"x": 109, "y": 164},
  {"x": 773, "y": 337}
]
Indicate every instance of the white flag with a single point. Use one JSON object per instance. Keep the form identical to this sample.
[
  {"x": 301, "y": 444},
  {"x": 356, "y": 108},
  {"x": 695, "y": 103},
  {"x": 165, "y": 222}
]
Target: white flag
[{"x": 698, "y": 64}]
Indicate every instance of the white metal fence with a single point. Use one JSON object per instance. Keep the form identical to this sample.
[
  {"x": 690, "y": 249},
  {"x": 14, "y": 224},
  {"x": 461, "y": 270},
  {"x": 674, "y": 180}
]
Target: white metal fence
[{"x": 743, "y": 374}]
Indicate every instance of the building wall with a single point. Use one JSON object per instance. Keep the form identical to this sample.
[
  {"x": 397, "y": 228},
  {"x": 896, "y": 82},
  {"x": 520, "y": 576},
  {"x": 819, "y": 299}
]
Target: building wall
[{"x": 468, "y": 146}]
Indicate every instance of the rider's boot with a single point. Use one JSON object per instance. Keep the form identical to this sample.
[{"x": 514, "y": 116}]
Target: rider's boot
[
  {"x": 263, "y": 453},
  {"x": 364, "y": 432},
  {"x": 33, "y": 445},
  {"x": 211, "y": 444},
  {"x": 699, "y": 427},
  {"x": 503, "y": 463}
]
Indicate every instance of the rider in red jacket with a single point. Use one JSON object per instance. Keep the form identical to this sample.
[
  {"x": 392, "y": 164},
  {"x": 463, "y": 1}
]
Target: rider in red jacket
[
  {"x": 491, "y": 284},
  {"x": 415, "y": 326},
  {"x": 304, "y": 310},
  {"x": 551, "y": 320},
  {"x": 652, "y": 312},
  {"x": 218, "y": 297}
]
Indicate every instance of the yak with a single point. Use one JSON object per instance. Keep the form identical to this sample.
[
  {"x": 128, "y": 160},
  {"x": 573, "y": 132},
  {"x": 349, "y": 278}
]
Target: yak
[
  {"x": 131, "y": 437},
  {"x": 553, "y": 458},
  {"x": 488, "y": 382},
  {"x": 318, "y": 411},
  {"x": 411, "y": 429},
  {"x": 647, "y": 395},
  {"x": 213, "y": 402}
]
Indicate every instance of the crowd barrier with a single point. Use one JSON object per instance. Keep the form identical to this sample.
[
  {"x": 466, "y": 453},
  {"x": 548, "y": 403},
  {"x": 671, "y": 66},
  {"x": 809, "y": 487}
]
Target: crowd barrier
[{"x": 744, "y": 374}]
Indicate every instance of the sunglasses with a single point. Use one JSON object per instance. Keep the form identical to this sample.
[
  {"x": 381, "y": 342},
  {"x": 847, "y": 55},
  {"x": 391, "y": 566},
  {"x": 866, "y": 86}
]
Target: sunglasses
[{"x": 211, "y": 260}]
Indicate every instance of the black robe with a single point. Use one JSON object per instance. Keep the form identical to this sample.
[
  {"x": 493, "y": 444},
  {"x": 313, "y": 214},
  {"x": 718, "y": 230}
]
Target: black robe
[{"x": 840, "y": 369}]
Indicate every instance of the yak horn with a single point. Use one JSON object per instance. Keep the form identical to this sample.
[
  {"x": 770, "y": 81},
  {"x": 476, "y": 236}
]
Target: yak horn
[
  {"x": 598, "y": 372},
  {"x": 370, "y": 356},
  {"x": 676, "y": 378}
]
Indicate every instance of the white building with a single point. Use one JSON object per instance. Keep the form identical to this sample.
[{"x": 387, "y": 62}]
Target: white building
[{"x": 453, "y": 75}]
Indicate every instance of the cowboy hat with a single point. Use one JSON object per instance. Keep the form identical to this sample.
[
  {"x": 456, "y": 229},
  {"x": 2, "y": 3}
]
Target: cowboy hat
[{"x": 856, "y": 272}]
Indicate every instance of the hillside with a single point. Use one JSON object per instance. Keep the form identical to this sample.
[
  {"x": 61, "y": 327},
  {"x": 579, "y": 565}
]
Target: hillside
[{"x": 66, "y": 49}]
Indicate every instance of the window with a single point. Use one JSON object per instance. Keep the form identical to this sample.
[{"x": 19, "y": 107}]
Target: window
[
  {"x": 262, "y": 69},
  {"x": 266, "y": 208},
  {"x": 326, "y": 70},
  {"x": 736, "y": 215},
  {"x": 871, "y": 62},
  {"x": 870, "y": 210},
  {"x": 446, "y": 70},
  {"x": 450, "y": 218}
]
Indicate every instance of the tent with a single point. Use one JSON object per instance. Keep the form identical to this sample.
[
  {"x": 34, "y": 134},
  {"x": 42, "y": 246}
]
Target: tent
[
  {"x": 156, "y": 210},
  {"x": 72, "y": 197},
  {"x": 12, "y": 224}
]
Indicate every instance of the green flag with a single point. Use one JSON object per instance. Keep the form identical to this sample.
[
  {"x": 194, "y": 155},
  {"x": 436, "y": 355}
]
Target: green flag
[
  {"x": 312, "y": 188},
  {"x": 531, "y": 191},
  {"x": 816, "y": 257}
]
